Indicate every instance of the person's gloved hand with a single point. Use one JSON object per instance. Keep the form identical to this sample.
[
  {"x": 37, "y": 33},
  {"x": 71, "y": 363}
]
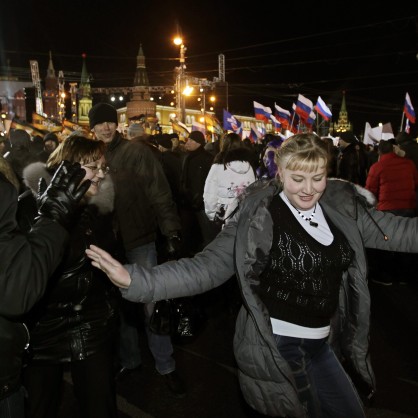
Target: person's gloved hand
[
  {"x": 59, "y": 200},
  {"x": 173, "y": 246}
]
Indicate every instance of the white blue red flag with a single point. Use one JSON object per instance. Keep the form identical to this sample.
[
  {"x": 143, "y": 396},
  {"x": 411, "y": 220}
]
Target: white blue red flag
[
  {"x": 282, "y": 115},
  {"x": 276, "y": 124},
  {"x": 255, "y": 135},
  {"x": 303, "y": 107},
  {"x": 408, "y": 109},
  {"x": 323, "y": 109},
  {"x": 180, "y": 127},
  {"x": 295, "y": 120},
  {"x": 198, "y": 126},
  {"x": 231, "y": 123},
  {"x": 311, "y": 119},
  {"x": 407, "y": 127},
  {"x": 261, "y": 112}
]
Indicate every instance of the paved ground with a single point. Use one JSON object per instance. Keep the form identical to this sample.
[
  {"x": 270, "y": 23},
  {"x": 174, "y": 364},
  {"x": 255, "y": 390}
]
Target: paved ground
[{"x": 207, "y": 365}]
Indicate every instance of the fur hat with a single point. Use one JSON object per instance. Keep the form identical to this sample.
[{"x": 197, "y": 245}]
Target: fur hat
[
  {"x": 19, "y": 137},
  {"x": 102, "y": 112},
  {"x": 135, "y": 129},
  {"x": 348, "y": 137},
  {"x": 198, "y": 137}
]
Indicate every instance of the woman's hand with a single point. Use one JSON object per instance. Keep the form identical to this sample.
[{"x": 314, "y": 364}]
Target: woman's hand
[{"x": 117, "y": 274}]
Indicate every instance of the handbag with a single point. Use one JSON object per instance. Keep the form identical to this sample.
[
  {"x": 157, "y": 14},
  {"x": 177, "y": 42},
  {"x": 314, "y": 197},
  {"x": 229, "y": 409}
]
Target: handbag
[{"x": 180, "y": 317}]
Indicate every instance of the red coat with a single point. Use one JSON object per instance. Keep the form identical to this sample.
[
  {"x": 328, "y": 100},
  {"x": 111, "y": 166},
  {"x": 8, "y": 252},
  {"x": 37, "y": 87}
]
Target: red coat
[{"x": 394, "y": 181}]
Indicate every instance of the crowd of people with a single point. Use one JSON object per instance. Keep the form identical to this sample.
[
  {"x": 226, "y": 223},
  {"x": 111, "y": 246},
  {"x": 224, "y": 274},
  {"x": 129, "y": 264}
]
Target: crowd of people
[{"x": 98, "y": 230}]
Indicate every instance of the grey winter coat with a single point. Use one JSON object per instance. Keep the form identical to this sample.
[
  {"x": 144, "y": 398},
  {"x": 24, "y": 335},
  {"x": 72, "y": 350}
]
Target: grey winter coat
[{"x": 243, "y": 247}]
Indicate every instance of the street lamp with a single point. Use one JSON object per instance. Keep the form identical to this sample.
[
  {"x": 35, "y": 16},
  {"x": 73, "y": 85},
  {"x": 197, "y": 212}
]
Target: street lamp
[{"x": 180, "y": 79}]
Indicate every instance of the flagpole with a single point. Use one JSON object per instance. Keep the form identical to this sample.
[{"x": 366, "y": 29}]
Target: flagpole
[{"x": 402, "y": 119}]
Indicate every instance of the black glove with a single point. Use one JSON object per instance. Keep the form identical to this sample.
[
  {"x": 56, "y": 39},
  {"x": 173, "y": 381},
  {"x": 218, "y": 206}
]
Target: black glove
[
  {"x": 173, "y": 247},
  {"x": 60, "y": 199}
]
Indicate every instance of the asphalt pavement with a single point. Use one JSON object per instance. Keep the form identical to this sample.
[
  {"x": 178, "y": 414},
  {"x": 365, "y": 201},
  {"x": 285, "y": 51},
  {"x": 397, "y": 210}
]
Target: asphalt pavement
[{"x": 207, "y": 365}]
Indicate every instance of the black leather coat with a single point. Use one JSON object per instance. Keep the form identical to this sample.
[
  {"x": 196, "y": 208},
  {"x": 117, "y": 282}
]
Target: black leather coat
[
  {"x": 27, "y": 262},
  {"x": 78, "y": 313}
]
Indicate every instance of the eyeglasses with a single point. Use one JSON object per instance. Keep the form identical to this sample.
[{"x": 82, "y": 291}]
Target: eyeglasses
[{"x": 105, "y": 170}]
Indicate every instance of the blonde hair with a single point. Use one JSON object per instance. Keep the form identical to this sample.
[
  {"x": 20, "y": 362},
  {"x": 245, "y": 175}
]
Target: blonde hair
[
  {"x": 305, "y": 151},
  {"x": 77, "y": 149}
]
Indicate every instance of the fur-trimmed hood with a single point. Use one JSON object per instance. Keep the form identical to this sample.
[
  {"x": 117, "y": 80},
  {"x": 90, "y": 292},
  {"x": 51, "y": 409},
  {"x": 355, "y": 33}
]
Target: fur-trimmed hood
[
  {"x": 104, "y": 200},
  {"x": 8, "y": 172}
]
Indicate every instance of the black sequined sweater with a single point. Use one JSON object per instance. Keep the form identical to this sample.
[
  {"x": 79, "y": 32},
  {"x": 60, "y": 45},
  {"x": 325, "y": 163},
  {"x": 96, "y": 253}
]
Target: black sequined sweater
[{"x": 301, "y": 281}]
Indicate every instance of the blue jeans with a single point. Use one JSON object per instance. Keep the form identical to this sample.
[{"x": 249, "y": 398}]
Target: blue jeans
[
  {"x": 160, "y": 345},
  {"x": 13, "y": 406},
  {"x": 324, "y": 387}
]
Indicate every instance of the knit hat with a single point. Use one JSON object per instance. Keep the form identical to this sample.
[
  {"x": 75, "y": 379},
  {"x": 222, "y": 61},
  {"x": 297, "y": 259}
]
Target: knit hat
[
  {"x": 198, "y": 137},
  {"x": 135, "y": 129},
  {"x": 102, "y": 112},
  {"x": 51, "y": 137},
  {"x": 19, "y": 138},
  {"x": 348, "y": 137}
]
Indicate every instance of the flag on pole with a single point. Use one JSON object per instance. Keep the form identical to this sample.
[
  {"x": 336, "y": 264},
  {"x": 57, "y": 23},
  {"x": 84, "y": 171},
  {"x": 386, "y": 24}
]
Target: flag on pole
[
  {"x": 28, "y": 127},
  {"x": 180, "y": 128},
  {"x": 295, "y": 120},
  {"x": 303, "y": 107},
  {"x": 276, "y": 124},
  {"x": 255, "y": 136},
  {"x": 407, "y": 127},
  {"x": 282, "y": 115},
  {"x": 214, "y": 122},
  {"x": 311, "y": 119},
  {"x": 261, "y": 112},
  {"x": 197, "y": 126},
  {"x": 46, "y": 124},
  {"x": 323, "y": 109},
  {"x": 408, "y": 109},
  {"x": 231, "y": 123}
]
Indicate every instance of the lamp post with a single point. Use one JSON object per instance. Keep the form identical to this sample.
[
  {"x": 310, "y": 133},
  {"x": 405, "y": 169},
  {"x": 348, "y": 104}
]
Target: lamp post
[{"x": 181, "y": 105}]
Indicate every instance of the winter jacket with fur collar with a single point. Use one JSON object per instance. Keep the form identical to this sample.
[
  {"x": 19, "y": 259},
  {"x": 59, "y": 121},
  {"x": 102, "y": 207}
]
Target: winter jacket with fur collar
[
  {"x": 80, "y": 305},
  {"x": 243, "y": 247}
]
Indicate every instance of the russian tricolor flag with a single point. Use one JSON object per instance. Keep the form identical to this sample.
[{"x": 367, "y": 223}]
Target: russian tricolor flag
[
  {"x": 323, "y": 109},
  {"x": 276, "y": 124},
  {"x": 282, "y": 115},
  {"x": 255, "y": 135},
  {"x": 261, "y": 112},
  {"x": 303, "y": 107},
  {"x": 197, "y": 126},
  {"x": 408, "y": 109}
]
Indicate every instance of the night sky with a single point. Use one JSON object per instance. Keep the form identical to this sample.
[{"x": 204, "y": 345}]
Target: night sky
[{"x": 272, "y": 52}]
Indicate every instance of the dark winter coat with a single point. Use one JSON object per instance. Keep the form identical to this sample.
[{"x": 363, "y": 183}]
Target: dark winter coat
[
  {"x": 195, "y": 168},
  {"x": 243, "y": 247},
  {"x": 27, "y": 262},
  {"x": 143, "y": 199},
  {"x": 77, "y": 316},
  {"x": 352, "y": 164}
]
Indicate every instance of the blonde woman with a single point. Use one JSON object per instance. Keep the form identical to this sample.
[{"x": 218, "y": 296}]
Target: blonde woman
[{"x": 296, "y": 246}]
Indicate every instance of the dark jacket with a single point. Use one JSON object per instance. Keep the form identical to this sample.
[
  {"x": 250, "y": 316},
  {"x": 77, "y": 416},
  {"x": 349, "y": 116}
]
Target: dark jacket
[
  {"x": 409, "y": 145},
  {"x": 243, "y": 247},
  {"x": 77, "y": 316},
  {"x": 352, "y": 164},
  {"x": 195, "y": 168},
  {"x": 27, "y": 262},
  {"x": 143, "y": 200}
]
